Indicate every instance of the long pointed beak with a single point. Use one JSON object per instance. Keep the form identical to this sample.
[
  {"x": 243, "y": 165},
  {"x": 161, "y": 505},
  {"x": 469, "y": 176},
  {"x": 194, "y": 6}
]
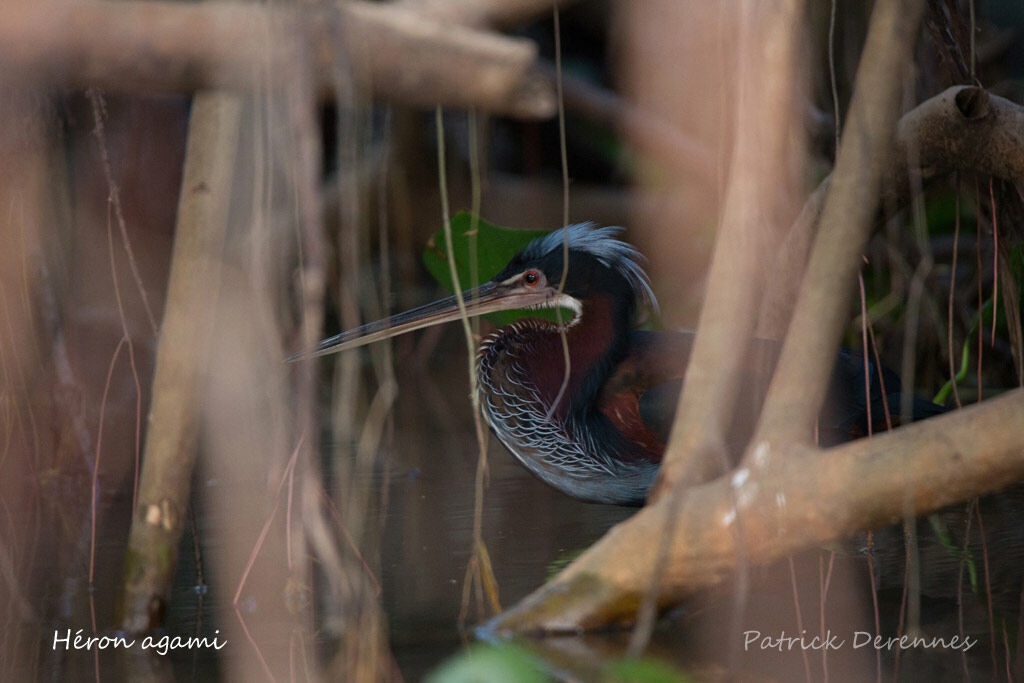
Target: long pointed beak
[{"x": 488, "y": 298}]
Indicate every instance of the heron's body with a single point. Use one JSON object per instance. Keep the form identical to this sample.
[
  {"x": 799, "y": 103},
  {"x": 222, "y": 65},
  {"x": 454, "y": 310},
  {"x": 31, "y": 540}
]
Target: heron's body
[{"x": 591, "y": 443}]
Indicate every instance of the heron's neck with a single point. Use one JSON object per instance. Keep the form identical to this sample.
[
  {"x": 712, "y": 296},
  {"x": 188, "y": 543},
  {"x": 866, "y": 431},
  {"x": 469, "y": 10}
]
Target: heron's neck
[{"x": 596, "y": 343}]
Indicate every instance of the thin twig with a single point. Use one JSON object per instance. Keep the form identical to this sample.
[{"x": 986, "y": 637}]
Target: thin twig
[
  {"x": 255, "y": 645},
  {"x": 474, "y": 568},
  {"x": 952, "y": 292},
  {"x": 566, "y": 360},
  {"x": 864, "y": 350},
  {"x": 825, "y": 580},
  {"x": 988, "y": 586},
  {"x": 96, "y": 463},
  {"x": 258, "y": 545},
  {"x": 832, "y": 70},
  {"x": 98, "y": 113},
  {"x": 799, "y": 616},
  {"x": 995, "y": 260}
]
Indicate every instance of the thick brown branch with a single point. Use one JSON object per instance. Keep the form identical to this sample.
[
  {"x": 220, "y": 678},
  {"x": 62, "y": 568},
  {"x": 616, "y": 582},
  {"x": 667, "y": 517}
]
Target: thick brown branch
[
  {"x": 794, "y": 503},
  {"x": 173, "y": 46},
  {"x": 962, "y": 128}
]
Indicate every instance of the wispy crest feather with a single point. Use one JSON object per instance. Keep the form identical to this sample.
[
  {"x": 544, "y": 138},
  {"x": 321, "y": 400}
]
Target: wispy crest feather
[{"x": 603, "y": 245}]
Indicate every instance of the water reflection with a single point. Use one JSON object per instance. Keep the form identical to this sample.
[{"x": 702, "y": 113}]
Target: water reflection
[{"x": 428, "y": 534}]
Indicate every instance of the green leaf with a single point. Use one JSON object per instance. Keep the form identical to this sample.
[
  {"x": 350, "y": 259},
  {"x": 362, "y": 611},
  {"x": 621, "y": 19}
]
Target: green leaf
[
  {"x": 491, "y": 247},
  {"x": 643, "y": 670},
  {"x": 485, "y": 663}
]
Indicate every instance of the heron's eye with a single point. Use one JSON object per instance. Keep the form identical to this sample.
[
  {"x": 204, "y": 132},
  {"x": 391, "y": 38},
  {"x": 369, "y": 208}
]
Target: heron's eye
[{"x": 531, "y": 277}]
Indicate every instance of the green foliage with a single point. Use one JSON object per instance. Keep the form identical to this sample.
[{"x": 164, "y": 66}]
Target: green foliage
[
  {"x": 1016, "y": 261},
  {"x": 961, "y": 375},
  {"x": 949, "y": 543},
  {"x": 490, "y": 247},
  {"x": 965, "y": 356},
  {"x": 483, "y": 663},
  {"x": 940, "y": 214},
  {"x": 561, "y": 562},
  {"x": 512, "y": 663},
  {"x": 643, "y": 670}
]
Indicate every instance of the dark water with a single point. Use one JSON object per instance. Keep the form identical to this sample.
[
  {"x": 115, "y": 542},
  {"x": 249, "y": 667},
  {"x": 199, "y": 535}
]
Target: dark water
[
  {"x": 425, "y": 532},
  {"x": 528, "y": 527},
  {"x": 423, "y": 529}
]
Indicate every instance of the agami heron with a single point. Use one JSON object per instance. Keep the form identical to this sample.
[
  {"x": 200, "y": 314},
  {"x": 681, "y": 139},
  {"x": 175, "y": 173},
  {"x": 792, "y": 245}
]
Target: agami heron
[{"x": 600, "y": 437}]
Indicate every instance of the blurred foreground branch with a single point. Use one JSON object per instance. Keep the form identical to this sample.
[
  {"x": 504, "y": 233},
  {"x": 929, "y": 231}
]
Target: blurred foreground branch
[
  {"x": 798, "y": 386},
  {"x": 482, "y": 13},
  {"x": 753, "y": 214},
  {"x": 171, "y": 440},
  {"x": 27, "y": 382},
  {"x": 174, "y": 46}
]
